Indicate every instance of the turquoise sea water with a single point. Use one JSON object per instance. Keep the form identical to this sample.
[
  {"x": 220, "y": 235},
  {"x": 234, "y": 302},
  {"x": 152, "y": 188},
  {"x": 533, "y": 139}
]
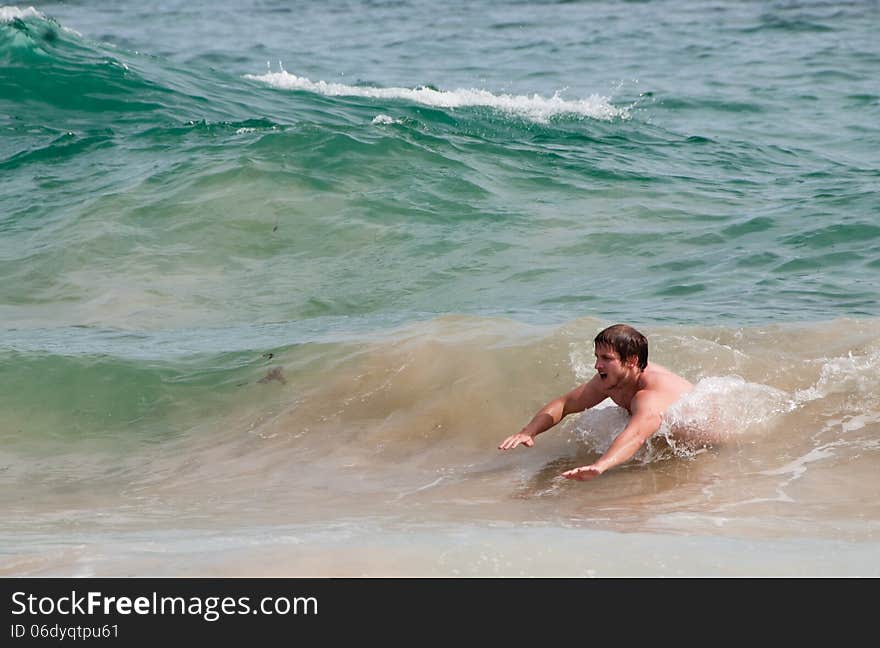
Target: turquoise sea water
[{"x": 422, "y": 213}]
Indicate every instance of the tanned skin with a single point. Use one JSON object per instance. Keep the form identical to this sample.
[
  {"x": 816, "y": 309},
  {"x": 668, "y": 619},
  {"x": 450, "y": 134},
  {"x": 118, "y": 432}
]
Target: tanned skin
[{"x": 644, "y": 393}]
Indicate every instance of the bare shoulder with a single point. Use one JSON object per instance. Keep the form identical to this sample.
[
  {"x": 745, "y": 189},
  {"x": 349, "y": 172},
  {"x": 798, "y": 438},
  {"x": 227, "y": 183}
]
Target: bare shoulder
[{"x": 659, "y": 380}]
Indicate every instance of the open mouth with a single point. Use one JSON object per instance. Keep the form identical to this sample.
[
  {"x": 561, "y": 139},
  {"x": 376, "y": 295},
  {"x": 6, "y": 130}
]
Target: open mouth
[{"x": 603, "y": 376}]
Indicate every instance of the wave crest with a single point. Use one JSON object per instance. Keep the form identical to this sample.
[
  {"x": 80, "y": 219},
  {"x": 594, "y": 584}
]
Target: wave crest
[
  {"x": 8, "y": 14},
  {"x": 533, "y": 107}
]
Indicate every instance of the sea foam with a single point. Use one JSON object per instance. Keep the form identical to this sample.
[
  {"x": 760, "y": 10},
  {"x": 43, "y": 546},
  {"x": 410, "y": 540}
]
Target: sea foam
[
  {"x": 533, "y": 107},
  {"x": 8, "y": 14}
]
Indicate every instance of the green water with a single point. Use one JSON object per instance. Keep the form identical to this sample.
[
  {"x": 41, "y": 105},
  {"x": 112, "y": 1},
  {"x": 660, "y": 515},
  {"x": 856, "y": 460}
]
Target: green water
[{"x": 194, "y": 194}]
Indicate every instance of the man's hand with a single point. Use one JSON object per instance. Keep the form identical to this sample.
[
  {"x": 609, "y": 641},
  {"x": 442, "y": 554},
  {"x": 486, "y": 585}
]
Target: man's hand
[
  {"x": 584, "y": 473},
  {"x": 515, "y": 439}
]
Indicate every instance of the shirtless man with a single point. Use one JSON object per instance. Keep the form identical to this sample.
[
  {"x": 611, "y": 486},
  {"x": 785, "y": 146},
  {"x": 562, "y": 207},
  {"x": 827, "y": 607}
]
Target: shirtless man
[{"x": 624, "y": 375}]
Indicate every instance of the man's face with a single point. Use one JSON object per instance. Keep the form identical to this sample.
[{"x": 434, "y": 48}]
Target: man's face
[{"x": 609, "y": 366}]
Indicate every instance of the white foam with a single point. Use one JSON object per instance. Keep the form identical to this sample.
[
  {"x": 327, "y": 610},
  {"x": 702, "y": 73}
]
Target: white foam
[
  {"x": 798, "y": 467},
  {"x": 534, "y": 107},
  {"x": 858, "y": 422},
  {"x": 8, "y": 14},
  {"x": 384, "y": 119},
  {"x": 850, "y": 373}
]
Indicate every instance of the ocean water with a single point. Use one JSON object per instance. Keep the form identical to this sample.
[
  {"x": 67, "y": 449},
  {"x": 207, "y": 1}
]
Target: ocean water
[{"x": 278, "y": 277}]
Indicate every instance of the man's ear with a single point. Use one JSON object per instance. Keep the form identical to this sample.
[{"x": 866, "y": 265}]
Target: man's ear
[{"x": 632, "y": 361}]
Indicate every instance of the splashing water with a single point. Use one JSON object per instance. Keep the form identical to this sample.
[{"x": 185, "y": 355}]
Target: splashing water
[{"x": 717, "y": 410}]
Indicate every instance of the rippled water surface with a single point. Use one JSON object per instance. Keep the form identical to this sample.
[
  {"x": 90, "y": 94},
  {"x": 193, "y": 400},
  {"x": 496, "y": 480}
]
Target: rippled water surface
[{"x": 278, "y": 277}]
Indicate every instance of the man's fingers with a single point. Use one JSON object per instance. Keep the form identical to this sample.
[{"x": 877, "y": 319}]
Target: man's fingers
[
  {"x": 581, "y": 474},
  {"x": 511, "y": 442}
]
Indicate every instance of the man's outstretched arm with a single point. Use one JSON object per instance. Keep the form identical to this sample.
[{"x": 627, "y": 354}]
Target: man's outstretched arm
[
  {"x": 645, "y": 421},
  {"x": 578, "y": 399}
]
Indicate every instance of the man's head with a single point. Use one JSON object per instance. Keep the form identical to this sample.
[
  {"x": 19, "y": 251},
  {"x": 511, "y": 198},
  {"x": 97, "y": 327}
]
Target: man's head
[{"x": 626, "y": 342}]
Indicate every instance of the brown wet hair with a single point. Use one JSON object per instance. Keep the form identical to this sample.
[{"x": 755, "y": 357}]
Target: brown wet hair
[{"x": 626, "y": 341}]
